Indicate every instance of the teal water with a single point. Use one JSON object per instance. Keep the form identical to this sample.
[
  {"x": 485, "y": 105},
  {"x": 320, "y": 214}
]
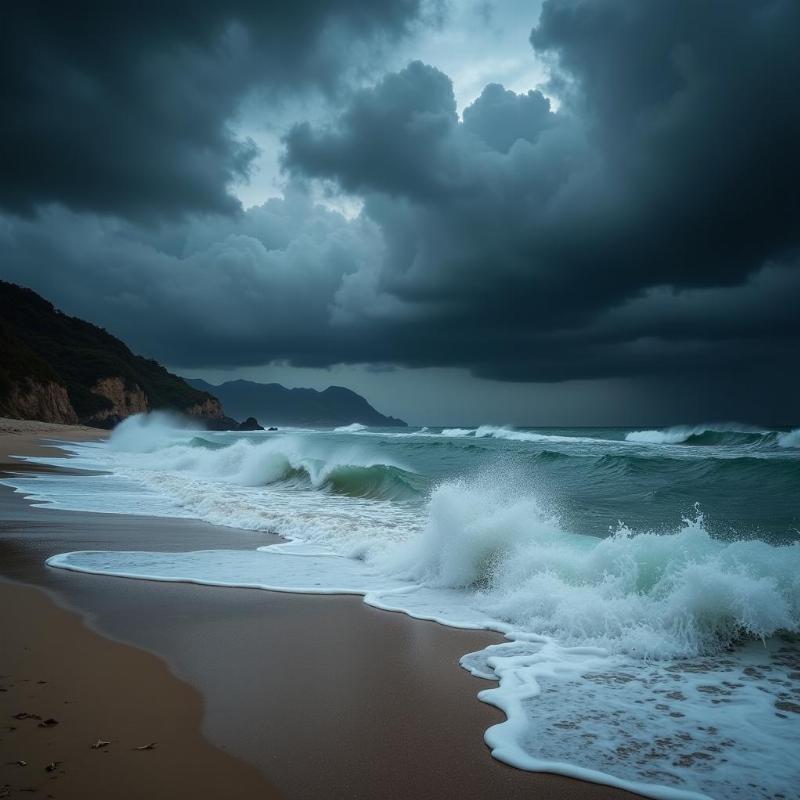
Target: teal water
[{"x": 745, "y": 481}]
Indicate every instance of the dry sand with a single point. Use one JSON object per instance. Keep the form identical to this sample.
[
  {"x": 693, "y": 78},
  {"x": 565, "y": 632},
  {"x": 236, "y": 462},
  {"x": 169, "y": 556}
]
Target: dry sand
[
  {"x": 30, "y": 437},
  {"x": 326, "y": 696}
]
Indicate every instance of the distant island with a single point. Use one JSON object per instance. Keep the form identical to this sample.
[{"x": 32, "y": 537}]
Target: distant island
[{"x": 274, "y": 404}]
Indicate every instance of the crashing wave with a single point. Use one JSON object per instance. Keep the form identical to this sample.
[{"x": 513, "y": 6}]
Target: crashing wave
[
  {"x": 644, "y": 594},
  {"x": 155, "y": 444},
  {"x": 707, "y": 434},
  {"x": 353, "y": 427},
  {"x": 789, "y": 439}
]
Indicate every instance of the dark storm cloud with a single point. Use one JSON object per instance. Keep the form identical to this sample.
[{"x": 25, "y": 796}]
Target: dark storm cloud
[
  {"x": 501, "y": 117},
  {"x": 389, "y": 139},
  {"x": 224, "y": 291},
  {"x": 124, "y": 107},
  {"x": 671, "y": 163},
  {"x": 645, "y": 222}
]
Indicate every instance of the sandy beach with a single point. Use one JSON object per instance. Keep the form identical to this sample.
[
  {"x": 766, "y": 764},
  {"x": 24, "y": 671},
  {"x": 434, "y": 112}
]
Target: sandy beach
[
  {"x": 242, "y": 690},
  {"x": 86, "y": 717},
  {"x": 28, "y": 437}
]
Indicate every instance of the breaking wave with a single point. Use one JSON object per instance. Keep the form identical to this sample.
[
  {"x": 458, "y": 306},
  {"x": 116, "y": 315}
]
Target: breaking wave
[
  {"x": 146, "y": 433},
  {"x": 353, "y": 427},
  {"x": 160, "y": 444},
  {"x": 644, "y": 594},
  {"x": 708, "y": 435},
  {"x": 790, "y": 439},
  {"x": 510, "y": 434}
]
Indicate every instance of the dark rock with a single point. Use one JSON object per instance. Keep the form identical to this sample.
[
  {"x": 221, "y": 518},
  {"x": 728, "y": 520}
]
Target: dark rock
[
  {"x": 250, "y": 424},
  {"x": 219, "y": 423}
]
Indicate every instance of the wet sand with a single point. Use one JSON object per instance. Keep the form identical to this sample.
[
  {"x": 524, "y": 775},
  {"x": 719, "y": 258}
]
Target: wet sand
[
  {"x": 326, "y": 696},
  {"x": 74, "y": 708}
]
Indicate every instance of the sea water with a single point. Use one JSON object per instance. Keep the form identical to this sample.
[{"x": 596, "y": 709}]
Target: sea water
[{"x": 647, "y": 582}]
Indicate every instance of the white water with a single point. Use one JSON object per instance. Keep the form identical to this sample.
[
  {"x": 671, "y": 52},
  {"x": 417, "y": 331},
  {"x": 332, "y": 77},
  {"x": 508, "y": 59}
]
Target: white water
[
  {"x": 353, "y": 427},
  {"x": 682, "y": 433},
  {"x": 509, "y": 434},
  {"x": 618, "y": 665},
  {"x": 790, "y": 439}
]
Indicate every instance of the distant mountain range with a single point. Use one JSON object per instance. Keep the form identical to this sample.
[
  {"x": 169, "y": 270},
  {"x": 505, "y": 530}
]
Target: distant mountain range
[
  {"x": 274, "y": 404},
  {"x": 58, "y": 368}
]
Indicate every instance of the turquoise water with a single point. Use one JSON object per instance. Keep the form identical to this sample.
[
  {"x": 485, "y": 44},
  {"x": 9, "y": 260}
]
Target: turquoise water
[{"x": 745, "y": 481}]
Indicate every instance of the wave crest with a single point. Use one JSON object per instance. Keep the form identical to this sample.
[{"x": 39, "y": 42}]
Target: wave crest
[
  {"x": 146, "y": 433},
  {"x": 644, "y": 594},
  {"x": 707, "y": 434},
  {"x": 790, "y": 439},
  {"x": 349, "y": 470}
]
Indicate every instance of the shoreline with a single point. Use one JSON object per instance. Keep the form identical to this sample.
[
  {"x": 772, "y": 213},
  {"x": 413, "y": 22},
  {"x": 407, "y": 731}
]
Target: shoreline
[{"x": 324, "y": 695}]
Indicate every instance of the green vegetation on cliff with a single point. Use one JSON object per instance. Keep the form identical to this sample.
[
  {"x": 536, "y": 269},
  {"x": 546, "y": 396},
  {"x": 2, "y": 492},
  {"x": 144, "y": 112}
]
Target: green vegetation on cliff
[{"x": 40, "y": 344}]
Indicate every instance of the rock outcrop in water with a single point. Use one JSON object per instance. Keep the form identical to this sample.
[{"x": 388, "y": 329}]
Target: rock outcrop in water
[
  {"x": 58, "y": 368},
  {"x": 250, "y": 424}
]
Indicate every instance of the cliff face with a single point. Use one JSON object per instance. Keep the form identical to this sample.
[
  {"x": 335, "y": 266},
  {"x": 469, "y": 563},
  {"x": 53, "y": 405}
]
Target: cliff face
[
  {"x": 58, "y": 368},
  {"x": 123, "y": 401},
  {"x": 209, "y": 408},
  {"x": 32, "y": 399}
]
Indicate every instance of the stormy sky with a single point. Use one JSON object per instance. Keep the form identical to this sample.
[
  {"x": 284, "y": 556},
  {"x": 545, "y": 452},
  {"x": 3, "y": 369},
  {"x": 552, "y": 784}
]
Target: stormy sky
[{"x": 558, "y": 212}]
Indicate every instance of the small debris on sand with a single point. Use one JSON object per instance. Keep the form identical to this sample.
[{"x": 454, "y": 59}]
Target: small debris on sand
[
  {"x": 100, "y": 743},
  {"x": 150, "y": 746},
  {"x": 48, "y": 723},
  {"x": 52, "y": 766}
]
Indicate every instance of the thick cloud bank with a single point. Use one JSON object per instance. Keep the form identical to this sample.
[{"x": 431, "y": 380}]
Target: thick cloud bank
[
  {"x": 638, "y": 216},
  {"x": 124, "y": 107}
]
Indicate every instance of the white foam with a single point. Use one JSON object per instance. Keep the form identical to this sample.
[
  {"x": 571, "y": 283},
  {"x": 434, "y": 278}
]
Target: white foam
[
  {"x": 456, "y": 433},
  {"x": 682, "y": 433},
  {"x": 353, "y": 427},
  {"x": 790, "y": 439},
  {"x": 146, "y": 433},
  {"x": 504, "y": 432},
  {"x": 647, "y": 594}
]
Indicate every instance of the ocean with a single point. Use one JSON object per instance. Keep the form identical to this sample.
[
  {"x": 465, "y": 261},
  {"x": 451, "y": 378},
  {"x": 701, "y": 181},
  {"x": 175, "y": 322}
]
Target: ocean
[{"x": 647, "y": 582}]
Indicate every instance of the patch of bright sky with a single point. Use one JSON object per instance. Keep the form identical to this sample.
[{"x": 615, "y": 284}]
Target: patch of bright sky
[
  {"x": 475, "y": 42},
  {"x": 479, "y": 42}
]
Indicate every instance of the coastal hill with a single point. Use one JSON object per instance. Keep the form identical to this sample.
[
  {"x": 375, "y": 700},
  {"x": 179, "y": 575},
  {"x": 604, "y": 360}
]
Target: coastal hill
[
  {"x": 274, "y": 404},
  {"x": 58, "y": 368}
]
